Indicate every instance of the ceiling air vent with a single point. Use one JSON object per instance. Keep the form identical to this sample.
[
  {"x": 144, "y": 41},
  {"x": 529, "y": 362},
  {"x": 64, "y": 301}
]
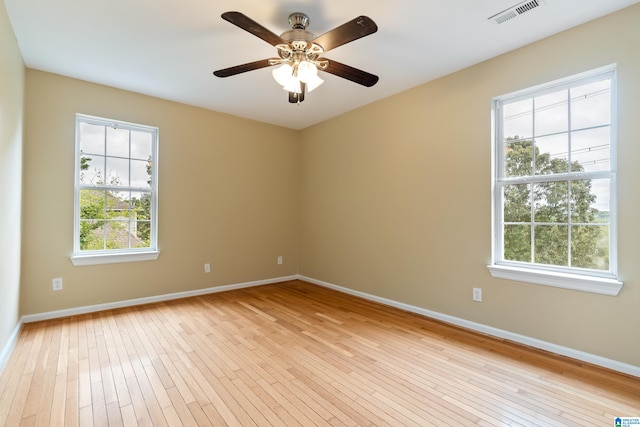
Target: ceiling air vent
[{"x": 516, "y": 10}]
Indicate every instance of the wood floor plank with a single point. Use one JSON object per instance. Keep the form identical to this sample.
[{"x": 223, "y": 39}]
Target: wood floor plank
[
  {"x": 293, "y": 354},
  {"x": 150, "y": 399},
  {"x": 71, "y": 406},
  {"x": 98, "y": 405},
  {"x": 86, "y": 416},
  {"x": 128, "y": 416},
  {"x": 182, "y": 411},
  {"x": 16, "y": 410},
  {"x": 137, "y": 403},
  {"x": 11, "y": 381},
  {"x": 59, "y": 400},
  {"x": 114, "y": 415}
]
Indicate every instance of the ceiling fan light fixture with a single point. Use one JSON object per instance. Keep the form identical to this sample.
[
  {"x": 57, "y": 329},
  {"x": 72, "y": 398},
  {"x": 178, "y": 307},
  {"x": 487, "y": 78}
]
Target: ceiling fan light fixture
[
  {"x": 307, "y": 71},
  {"x": 293, "y": 85},
  {"x": 314, "y": 83},
  {"x": 283, "y": 74},
  {"x": 290, "y": 77}
]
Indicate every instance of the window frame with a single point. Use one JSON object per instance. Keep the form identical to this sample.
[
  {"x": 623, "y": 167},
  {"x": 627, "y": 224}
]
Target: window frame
[
  {"x": 108, "y": 256},
  {"x": 588, "y": 280}
]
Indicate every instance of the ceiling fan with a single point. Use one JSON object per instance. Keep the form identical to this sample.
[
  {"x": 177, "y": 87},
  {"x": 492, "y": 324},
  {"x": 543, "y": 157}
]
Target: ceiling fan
[{"x": 299, "y": 53}]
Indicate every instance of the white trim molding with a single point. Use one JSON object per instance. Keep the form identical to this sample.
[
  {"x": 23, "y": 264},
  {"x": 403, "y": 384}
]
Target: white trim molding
[
  {"x": 113, "y": 258},
  {"x": 8, "y": 348},
  {"x": 489, "y": 330},
  {"x": 148, "y": 300},
  {"x": 576, "y": 282}
]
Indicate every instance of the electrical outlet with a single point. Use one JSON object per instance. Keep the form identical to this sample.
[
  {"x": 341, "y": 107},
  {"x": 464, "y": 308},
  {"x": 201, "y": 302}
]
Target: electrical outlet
[
  {"x": 56, "y": 284},
  {"x": 477, "y": 294},
  {"x": 279, "y": 260},
  {"x": 207, "y": 268}
]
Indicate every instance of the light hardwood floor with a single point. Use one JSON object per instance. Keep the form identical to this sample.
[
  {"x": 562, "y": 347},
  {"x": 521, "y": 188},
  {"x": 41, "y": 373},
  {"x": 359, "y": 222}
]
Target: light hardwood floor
[{"x": 293, "y": 354}]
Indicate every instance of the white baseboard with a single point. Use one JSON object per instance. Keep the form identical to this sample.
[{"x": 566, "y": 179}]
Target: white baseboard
[
  {"x": 489, "y": 330},
  {"x": 8, "y": 348},
  {"x": 478, "y": 327},
  {"x": 147, "y": 300}
]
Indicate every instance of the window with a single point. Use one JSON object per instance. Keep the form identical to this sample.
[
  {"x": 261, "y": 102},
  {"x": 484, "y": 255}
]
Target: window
[
  {"x": 554, "y": 184},
  {"x": 115, "y": 192}
]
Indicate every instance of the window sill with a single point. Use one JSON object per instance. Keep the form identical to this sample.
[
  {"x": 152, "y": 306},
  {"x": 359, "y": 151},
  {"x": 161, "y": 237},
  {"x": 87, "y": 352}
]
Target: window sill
[
  {"x": 96, "y": 259},
  {"x": 577, "y": 282}
]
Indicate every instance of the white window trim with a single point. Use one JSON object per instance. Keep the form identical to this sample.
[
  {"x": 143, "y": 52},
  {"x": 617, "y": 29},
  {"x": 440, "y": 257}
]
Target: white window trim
[
  {"x": 604, "y": 283},
  {"x": 113, "y": 258},
  {"x": 576, "y": 282},
  {"x": 83, "y": 258}
]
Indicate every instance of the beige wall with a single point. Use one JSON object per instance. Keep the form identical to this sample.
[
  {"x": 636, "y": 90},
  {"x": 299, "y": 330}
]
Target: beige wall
[
  {"x": 11, "y": 119},
  {"x": 396, "y": 197},
  {"x": 228, "y": 195}
]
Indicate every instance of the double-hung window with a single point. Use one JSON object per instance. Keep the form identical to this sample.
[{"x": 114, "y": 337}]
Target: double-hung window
[
  {"x": 554, "y": 184},
  {"x": 116, "y": 194}
]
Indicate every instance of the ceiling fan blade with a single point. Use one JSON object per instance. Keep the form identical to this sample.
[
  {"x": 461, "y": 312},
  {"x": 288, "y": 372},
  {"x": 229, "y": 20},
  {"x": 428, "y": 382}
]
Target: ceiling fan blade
[
  {"x": 243, "y": 68},
  {"x": 243, "y": 21},
  {"x": 350, "y": 73},
  {"x": 347, "y": 32}
]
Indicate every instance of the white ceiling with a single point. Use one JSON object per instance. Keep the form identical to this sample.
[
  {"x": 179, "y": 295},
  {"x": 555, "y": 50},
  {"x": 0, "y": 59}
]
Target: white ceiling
[{"x": 169, "y": 48}]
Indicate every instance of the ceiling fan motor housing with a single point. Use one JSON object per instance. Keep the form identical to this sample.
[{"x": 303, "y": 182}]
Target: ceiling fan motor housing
[
  {"x": 298, "y": 20},
  {"x": 299, "y": 46},
  {"x": 298, "y": 32}
]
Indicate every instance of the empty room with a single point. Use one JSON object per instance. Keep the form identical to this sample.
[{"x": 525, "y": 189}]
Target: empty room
[{"x": 320, "y": 213}]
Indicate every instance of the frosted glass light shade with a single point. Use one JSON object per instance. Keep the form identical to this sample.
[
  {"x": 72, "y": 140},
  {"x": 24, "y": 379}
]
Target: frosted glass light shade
[
  {"x": 314, "y": 83},
  {"x": 293, "y": 85},
  {"x": 283, "y": 74},
  {"x": 307, "y": 71}
]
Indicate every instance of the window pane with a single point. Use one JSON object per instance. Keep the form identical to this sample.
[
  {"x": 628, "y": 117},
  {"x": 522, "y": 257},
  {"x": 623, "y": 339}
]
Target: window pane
[
  {"x": 117, "y": 171},
  {"x": 517, "y": 243},
  {"x": 552, "y": 113},
  {"x": 91, "y": 138},
  {"x": 591, "y": 105},
  {"x": 92, "y": 204},
  {"x": 117, "y": 234},
  {"x": 591, "y": 150},
  {"x": 551, "y": 244},
  {"x": 517, "y": 203},
  {"x": 92, "y": 169},
  {"x": 142, "y": 234},
  {"x": 141, "y": 205},
  {"x": 590, "y": 247},
  {"x": 141, "y": 145},
  {"x": 140, "y": 173},
  {"x": 85, "y": 166},
  {"x": 91, "y": 235},
  {"x": 141, "y": 217},
  {"x": 517, "y": 120},
  {"x": 117, "y": 142},
  {"x": 551, "y": 154},
  {"x": 550, "y": 201},
  {"x": 118, "y": 205},
  {"x": 590, "y": 201},
  {"x": 518, "y": 158}
]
